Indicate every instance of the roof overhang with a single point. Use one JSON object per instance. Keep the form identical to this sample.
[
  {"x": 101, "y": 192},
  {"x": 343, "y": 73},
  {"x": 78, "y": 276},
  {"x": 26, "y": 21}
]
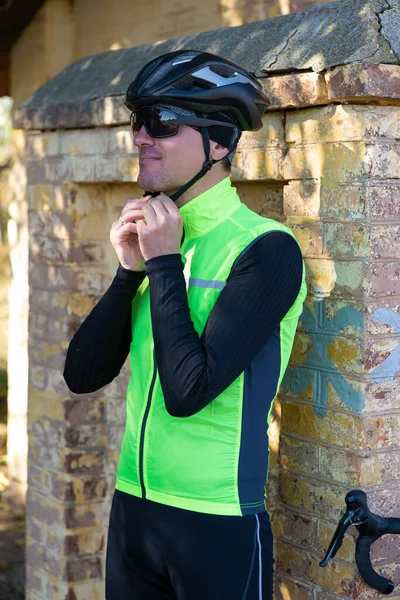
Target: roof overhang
[{"x": 15, "y": 15}]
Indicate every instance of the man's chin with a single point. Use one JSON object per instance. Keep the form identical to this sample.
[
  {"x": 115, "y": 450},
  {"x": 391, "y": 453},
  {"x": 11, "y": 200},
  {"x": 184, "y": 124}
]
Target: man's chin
[
  {"x": 148, "y": 185},
  {"x": 145, "y": 183}
]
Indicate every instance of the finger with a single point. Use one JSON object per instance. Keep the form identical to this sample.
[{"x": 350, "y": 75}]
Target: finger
[
  {"x": 168, "y": 204},
  {"x": 138, "y": 201},
  {"x": 158, "y": 207},
  {"x": 122, "y": 220},
  {"x": 131, "y": 214},
  {"x": 122, "y": 233},
  {"x": 149, "y": 214},
  {"x": 133, "y": 205}
]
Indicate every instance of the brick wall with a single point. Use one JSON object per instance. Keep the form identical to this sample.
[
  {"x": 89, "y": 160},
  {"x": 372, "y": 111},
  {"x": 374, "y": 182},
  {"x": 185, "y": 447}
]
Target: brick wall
[
  {"x": 331, "y": 173},
  {"x": 340, "y": 397}
]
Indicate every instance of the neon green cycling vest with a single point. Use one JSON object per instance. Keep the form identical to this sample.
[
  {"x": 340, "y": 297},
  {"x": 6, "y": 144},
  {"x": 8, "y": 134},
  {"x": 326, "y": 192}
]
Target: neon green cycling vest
[{"x": 215, "y": 461}]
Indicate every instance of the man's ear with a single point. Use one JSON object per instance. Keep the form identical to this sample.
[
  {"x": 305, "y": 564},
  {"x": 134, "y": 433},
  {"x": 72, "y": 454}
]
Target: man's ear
[{"x": 217, "y": 151}]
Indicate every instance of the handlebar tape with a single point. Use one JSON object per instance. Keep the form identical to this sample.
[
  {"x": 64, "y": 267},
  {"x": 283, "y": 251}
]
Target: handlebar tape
[{"x": 363, "y": 561}]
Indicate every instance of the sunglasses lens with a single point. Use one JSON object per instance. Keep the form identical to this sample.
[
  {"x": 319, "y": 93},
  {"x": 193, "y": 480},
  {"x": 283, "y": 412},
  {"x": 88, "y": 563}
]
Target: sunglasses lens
[{"x": 158, "y": 122}]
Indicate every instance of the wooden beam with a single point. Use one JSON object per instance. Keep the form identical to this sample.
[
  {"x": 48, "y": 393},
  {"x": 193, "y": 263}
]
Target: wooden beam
[
  {"x": 4, "y": 74},
  {"x": 15, "y": 15}
]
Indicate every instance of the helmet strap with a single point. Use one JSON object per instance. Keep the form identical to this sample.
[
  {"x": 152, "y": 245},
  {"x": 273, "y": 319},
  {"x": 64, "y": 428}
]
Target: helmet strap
[{"x": 207, "y": 165}]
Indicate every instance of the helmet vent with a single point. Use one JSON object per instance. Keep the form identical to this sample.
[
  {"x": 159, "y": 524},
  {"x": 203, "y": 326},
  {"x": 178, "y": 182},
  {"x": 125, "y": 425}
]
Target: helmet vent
[
  {"x": 222, "y": 70},
  {"x": 188, "y": 83}
]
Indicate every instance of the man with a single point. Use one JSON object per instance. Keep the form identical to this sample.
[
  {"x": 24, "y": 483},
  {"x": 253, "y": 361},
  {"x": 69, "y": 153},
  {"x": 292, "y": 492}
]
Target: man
[{"x": 206, "y": 301}]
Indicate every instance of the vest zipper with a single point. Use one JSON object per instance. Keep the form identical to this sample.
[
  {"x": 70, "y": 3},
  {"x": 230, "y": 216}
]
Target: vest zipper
[{"x": 143, "y": 429}]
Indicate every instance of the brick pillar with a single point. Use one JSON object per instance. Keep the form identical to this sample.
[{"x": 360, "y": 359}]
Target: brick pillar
[
  {"x": 73, "y": 440},
  {"x": 340, "y": 399},
  {"x": 67, "y": 446}
]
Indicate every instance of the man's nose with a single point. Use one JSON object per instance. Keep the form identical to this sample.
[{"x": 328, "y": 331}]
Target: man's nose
[{"x": 142, "y": 138}]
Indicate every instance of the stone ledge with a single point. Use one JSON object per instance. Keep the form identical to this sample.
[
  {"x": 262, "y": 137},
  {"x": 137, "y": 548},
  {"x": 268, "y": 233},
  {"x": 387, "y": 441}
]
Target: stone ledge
[
  {"x": 90, "y": 92},
  {"x": 363, "y": 82},
  {"x": 357, "y": 83}
]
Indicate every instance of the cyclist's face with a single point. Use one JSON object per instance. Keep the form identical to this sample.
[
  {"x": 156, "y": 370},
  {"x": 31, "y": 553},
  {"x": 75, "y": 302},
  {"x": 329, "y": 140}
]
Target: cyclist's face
[{"x": 165, "y": 164}]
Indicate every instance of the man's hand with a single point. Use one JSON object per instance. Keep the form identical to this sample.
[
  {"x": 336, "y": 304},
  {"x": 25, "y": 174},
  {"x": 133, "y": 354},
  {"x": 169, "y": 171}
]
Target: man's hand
[
  {"x": 160, "y": 231},
  {"x": 124, "y": 236}
]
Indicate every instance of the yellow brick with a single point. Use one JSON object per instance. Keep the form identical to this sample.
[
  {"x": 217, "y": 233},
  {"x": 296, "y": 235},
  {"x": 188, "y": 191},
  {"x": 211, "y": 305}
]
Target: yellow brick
[
  {"x": 290, "y": 590},
  {"x": 316, "y": 497},
  {"x": 373, "y": 469},
  {"x": 256, "y": 164},
  {"x": 87, "y": 542},
  {"x": 78, "y": 486},
  {"x": 127, "y": 168},
  {"x": 120, "y": 140},
  {"x": 49, "y": 350},
  {"x": 336, "y": 428},
  {"x": 334, "y": 163},
  {"x": 271, "y": 134},
  {"x": 347, "y": 354},
  {"x": 298, "y": 455},
  {"x": 309, "y": 234},
  {"x": 335, "y": 577},
  {"x": 44, "y": 402},
  {"x": 342, "y": 467},
  {"x": 342, "y": 123},
  {"x": 302, "y": 198},
  {"x": 87, "y": 141},
  {"x": 43, "y": 144},
  {"x": 264, "y": 198},
  {"x": 81, "y": 305},
  {"x": 78, "y": 591}
]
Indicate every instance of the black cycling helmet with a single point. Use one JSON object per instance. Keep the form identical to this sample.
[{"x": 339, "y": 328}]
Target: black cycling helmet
[
  {"x": 202, "y": 82},
  {"x": 205, "y": 84}
]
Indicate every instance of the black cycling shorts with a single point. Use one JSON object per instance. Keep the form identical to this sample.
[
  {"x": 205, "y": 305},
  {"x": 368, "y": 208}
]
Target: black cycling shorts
[{"x": 157, "y": 552}]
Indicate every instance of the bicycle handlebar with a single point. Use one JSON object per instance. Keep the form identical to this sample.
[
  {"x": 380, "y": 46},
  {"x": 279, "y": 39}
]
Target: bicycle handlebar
[{"x": 370, "y": 527}]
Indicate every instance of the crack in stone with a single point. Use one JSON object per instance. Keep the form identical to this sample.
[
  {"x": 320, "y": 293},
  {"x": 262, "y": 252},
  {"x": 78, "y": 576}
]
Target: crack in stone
[
  {"x": 369, "y": 163},
  {"x": 387, "y": 5},
  {"x": 282, "y": 50}
]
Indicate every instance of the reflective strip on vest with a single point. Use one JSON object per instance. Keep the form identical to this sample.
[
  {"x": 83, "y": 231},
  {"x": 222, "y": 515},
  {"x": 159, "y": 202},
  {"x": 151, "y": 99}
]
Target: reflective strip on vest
[{"x": 207, "y": 283}]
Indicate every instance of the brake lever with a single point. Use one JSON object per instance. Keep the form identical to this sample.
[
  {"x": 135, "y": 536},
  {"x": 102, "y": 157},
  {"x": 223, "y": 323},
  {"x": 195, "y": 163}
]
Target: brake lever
[
  {"x": 370, "y": 527},
  {"x": 352, "y": 516}
]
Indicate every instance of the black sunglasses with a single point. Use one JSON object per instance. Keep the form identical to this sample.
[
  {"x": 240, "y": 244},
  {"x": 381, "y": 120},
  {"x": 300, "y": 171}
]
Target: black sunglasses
[{"x": 162, "y": 122}]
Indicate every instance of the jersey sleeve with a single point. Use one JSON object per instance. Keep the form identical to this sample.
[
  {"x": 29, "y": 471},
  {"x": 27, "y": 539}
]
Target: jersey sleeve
[{"x": 100, "y": 346}]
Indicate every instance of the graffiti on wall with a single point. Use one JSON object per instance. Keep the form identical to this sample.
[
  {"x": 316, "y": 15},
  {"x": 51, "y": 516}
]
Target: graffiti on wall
[
  {"x": 318, "y": 367},
  {"x": 389, "y": 367}
]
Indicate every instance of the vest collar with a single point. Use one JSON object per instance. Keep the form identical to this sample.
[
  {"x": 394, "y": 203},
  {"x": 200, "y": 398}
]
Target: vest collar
[{"x": 209, "y": 209}]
